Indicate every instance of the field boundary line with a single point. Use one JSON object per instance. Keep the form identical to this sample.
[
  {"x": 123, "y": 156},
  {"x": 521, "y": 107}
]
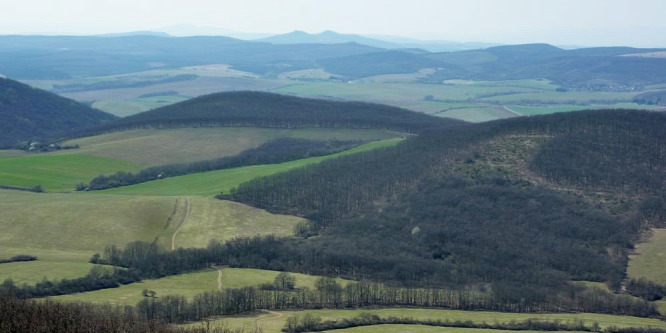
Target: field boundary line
[{"x": 182, "y": 223}]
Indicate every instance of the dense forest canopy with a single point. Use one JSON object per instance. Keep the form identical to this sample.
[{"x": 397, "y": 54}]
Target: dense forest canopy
[{"x": 499, "y": 203}]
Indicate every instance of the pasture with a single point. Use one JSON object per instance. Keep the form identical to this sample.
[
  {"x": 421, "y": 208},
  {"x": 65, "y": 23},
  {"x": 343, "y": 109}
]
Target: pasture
[
  {"x": 64, "y": 230},
  {"x": 187, "y": 285},
  {"x": 275, "y": 321},
  {"x": 162, "y": 146},
  {"x": 58, "y": 171},
  {"x": 649, "y": 259},
  {"x": 222, "y": 181}
]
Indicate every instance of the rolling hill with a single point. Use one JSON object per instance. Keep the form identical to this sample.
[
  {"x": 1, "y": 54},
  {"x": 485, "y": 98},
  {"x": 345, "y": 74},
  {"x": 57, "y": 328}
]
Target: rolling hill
[
  {"x": 523, "y": 205},
  {"x": 28, "y": 114},
  {"x": 260, "y": 109}
]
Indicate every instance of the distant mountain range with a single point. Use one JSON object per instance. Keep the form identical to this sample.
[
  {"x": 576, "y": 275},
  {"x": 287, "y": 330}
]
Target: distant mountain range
[
  {"x": 385, "y": 42},
  {"x": 348, "y": 56}
]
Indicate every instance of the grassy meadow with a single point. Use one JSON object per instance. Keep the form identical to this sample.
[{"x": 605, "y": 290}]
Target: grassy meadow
[
  {"x": 215, "y": 182},
  {"x": 211, "y": 219},
  {"x": 57, "y": 172},
  {"x": 131, "y": 151},
  {"x": 649, "y": 259},
  {"x": 188, "y": 285},
  {"x": 162, "y": 146},
  {"x": 64, "y": 230},
  {"x": 275, "y": 321}
]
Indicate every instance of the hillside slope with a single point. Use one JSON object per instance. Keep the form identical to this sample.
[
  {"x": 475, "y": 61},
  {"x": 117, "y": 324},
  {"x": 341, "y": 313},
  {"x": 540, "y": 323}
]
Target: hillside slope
[
  {"x": 260, "y": 109},
  {"x": 27, "y": 113},
  {"x": 523, "y": 205}
]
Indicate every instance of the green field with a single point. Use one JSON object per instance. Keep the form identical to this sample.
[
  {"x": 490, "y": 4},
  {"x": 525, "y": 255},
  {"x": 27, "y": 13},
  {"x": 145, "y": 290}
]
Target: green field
[
  {"x": 274, "y": 322},
  {"x": 57, "y": 172},
  {"x": 649, "y": 261},
  {"x": 211, "y": 219},
  {"x": 132, "y": 150},
  {"x": 537, "y": 110},
  {"x": 188, "y": 285},
  {"x": 64, "y": 230},
  {"x": 162, "y": 146},
  {"x": 418, "y": 329},
  {"x": 215, "y": 182}
]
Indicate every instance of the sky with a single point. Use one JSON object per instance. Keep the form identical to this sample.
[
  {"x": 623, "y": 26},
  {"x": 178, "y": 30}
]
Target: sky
[{"x": 563, "y": 22}]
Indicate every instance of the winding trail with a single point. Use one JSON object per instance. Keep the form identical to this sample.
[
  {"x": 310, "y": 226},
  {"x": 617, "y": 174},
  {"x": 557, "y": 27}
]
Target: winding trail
[{"x": 182, "y": 222}]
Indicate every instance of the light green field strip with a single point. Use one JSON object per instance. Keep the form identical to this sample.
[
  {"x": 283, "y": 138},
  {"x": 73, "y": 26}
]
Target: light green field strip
[
  {"x": 479, "y": 114},
  {"x": 57, "y": 172},
  {"x": 418, "y": 329},
  {"x": 538, "y": 110},
  {"x": 577, "y": 96},
  {"x": 649, "y": 261},
  {"x": 162, "y": 146},
  {"x": 214, "y": 182},
  {"x": 274, "y": 322},
  {"x": 187, "y": 285}
]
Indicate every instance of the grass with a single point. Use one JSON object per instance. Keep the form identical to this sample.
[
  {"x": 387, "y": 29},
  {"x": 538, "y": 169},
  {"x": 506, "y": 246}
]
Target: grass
[
  {"x": 155, "y": 146},
  {"x": 418, "y": 329},
  {"x": 211, "y": 218},
  {"x": 215, "y": 182},
  {"x": 57, "y": 172},
  {"x": 64, "y": 230},
  {"x": 272, "y": 323},
  {"x": 538, "y": 110},
  {"x": 36, "y": 271},
  {"x": 650, "y": 258},
  {"x": 188, "y": 285},
  {"x": 78, "y": 223}
]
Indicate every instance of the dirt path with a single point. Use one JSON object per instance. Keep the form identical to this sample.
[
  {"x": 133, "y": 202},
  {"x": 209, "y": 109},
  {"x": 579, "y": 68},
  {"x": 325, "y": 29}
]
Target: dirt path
[
  {"x": 276, "y": 315},
  {"x": 219, "y": 278},
  {"x": 182, "y": 223},
  {"x": 514, "y": 112}
]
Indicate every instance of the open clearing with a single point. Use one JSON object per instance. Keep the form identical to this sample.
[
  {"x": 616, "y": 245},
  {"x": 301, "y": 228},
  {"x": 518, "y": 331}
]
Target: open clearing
[
  {"x": 162, "y": 146},
  {"x": 649, "y": 261},
  {"x": 57, "y": 172},
  {"x": 215, "y": 182},
  {"x": 187, "y": 285},
  {"x": 64, "y": 230},
  {"x": 211, "y": 218},
  {"x": 272, "y": 323}
]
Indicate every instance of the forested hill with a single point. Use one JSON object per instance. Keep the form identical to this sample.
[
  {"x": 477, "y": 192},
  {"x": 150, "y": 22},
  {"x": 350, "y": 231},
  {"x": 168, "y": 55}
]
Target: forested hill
[
  {"x": 524, "y": 204},
  {"x": 28, "y": 113},
  {"x": 260, "y": 109}
]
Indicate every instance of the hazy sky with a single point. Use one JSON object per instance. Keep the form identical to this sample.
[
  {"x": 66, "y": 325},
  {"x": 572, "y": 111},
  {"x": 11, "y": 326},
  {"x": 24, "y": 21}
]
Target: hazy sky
[{"x": 569, "y": 22}]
